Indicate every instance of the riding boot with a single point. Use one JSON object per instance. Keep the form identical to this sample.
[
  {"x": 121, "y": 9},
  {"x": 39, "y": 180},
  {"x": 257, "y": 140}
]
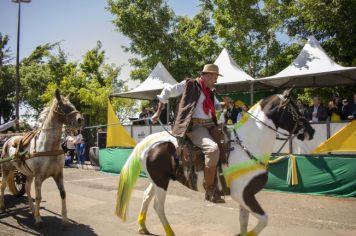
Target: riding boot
[{"x": 212, "y": 192}]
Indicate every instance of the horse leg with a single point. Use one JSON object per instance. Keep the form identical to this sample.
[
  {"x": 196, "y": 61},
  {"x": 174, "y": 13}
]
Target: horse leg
[
  {"x": 245, "y": 196},
  {"x": 5, "y": 174},
  {"x": 160, "y": 198},
  {"x": 38, "y": 185},
  {"x": 244, "y": 214},
  {"x": 29, "y": 180},
  {"x": 147, "y": 197},
  {"x": 59, "y": 181}
]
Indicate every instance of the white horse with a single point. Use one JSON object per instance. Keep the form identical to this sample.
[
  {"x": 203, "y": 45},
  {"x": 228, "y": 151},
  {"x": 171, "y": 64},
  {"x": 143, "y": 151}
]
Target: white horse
[
  {"x": 245, "y": 174},
  {"x": 44, "y": 154}
]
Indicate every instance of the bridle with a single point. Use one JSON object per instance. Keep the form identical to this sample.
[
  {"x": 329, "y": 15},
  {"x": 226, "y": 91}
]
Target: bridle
[
  {"x": 287, "y": 106},
  {"x": 62, "y": 115}
]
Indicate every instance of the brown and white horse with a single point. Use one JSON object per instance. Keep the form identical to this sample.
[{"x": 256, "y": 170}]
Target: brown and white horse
[
  {"x": 245, "y": 174},
  {"x": 46, "y": 157}
]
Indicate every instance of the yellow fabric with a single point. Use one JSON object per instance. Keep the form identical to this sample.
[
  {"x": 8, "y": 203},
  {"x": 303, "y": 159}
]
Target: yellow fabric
[
  {"x": 168, "y": 230},
  {"x": 239, "y": 173},
  {"x": 277, "y": 159},
  {"x": 142, "y": 220},
  {"x": 239, "y": 103},
  {"x": 335, "y": 117},
  {"x": 117, "y": 136},
  {"x": 342, "y": 141},
  {"x": 294, "y": 179},
  {"x": 251, "y": 233}
]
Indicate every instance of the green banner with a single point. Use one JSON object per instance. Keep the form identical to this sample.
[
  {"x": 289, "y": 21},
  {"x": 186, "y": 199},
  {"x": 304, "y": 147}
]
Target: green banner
[{"x": 322, "y": 175}]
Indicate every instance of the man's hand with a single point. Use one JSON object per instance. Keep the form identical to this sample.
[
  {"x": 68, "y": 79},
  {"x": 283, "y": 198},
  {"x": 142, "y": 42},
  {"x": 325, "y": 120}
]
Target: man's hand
[{"x": 156, "y": 116}]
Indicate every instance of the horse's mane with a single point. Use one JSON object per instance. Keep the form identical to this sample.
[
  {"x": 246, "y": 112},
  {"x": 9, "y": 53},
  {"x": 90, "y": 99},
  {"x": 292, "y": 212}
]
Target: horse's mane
[{"x": 44, "y": 113}]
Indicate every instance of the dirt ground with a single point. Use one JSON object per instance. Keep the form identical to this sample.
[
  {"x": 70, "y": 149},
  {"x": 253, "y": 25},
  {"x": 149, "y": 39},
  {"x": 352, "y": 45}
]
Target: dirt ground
[{"x": 91, "y": 202}]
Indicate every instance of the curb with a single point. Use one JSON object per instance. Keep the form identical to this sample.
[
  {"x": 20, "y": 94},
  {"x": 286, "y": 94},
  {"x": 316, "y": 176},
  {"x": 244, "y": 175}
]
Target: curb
[{"x": 84, "y": 167}]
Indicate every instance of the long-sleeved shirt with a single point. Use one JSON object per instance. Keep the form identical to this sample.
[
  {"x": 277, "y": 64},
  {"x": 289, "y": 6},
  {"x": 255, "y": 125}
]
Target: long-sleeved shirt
[{"x": 176, "y": 90}]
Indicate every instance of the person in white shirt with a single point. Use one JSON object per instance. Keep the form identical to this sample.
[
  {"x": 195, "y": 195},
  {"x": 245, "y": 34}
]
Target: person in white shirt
[
  {"x": 77, "y": 142},
  {"x": 70, "y": 143},
  {"x": 195, "y": 117}
]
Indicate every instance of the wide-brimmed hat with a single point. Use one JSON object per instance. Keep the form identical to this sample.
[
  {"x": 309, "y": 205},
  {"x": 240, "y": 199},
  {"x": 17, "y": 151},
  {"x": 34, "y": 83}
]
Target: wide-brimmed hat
[{"x": 211, "y": 68}]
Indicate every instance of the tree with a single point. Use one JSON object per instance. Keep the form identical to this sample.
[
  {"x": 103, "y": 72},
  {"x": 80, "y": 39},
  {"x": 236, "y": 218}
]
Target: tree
[
  {"x": 35, "y": 76},
  {"x": 331, "y": 22},
  {"x": 183, "y": 45},
  {"x": 7, "y": 75}
]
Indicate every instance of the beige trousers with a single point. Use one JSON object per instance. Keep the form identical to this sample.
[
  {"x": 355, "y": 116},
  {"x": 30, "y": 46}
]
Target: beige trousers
[{"x": 201, "y": 137}]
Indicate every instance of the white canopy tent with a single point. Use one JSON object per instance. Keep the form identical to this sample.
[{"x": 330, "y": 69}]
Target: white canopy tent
[
  {"x": 152, "y": 86},
  {"x": 231, "y": 72},
  {"x": 234, "y": 78},
  {"x": 312, "y": 68}
]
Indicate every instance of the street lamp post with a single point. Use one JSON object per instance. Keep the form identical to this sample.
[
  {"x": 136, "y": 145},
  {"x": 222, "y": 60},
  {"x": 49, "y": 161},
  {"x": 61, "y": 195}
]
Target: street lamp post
[{"x": 17, "y": 81}]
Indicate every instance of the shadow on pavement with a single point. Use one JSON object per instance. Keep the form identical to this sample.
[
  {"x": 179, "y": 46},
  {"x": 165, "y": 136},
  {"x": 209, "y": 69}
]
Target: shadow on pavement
[{"x": 23, "y": 220}]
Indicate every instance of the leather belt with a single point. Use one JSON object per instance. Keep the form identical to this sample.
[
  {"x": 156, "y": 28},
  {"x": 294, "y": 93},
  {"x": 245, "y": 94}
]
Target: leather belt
[{"x": 201, "y": 121}]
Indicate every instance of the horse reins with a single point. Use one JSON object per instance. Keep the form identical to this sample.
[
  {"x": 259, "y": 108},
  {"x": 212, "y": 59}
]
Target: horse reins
[{"x": 296, "y": 118}]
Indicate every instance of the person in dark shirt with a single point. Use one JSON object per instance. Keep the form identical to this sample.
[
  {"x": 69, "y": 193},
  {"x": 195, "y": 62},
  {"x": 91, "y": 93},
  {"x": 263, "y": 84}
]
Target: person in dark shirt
[
  {"x": 334, "y": 115},
  {"x": 302, "y": 108},
  {"x": 230, "y": 115},
  {"x": 317, "y": 112},
  {"x": 349, "y": 109}
]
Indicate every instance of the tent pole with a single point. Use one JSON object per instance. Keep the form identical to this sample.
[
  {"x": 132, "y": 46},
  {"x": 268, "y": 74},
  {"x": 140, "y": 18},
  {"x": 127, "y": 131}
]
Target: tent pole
[
  {"x": 251, "y": 94},
  {"x": 167, "y": 110}
]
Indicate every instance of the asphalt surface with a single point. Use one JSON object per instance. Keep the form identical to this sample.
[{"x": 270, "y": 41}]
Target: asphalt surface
[{"x": 91, "y": 202}]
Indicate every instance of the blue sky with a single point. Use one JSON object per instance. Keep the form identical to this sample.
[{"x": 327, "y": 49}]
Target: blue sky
[{"x": 77, "y": 24}]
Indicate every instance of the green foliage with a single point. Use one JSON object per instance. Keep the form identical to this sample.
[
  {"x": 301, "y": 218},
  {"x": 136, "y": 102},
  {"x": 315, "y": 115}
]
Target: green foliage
[
  {"x": 331, "y": 22},
  {"x": 182, "y": 44},
  {"x": 89, "y": 83},
  {"x": 7, "y": 75}
]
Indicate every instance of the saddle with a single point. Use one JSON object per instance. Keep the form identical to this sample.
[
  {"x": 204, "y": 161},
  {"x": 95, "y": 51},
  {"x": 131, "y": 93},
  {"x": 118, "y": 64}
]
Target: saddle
[
  {"x": 20, "y": 143},
  {"x": 190, "y": 158}
]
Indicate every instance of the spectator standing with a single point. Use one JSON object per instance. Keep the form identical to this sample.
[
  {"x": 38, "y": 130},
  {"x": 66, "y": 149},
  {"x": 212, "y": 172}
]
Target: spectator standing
[
  {"x": 338, "y": 104},
  {"x": 82, "y": 147},
  {"x": 349, "y": 109},
  {"x": 78, "y": 140},
  {"x": 317, "y": 112},
  {"x": 231, "y": 112},
  {"x": 333, "y": 112},
  {"x": 70, "y": 143},
  {"x": 143, "y": 115},
  {"x": 244, "y": 108},
  {"x": 302, "y": 108}
]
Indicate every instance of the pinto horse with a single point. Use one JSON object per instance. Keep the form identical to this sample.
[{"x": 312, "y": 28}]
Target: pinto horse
[
  {"x": 45, "y": 156},
  {"x": 245, "y": 174}
]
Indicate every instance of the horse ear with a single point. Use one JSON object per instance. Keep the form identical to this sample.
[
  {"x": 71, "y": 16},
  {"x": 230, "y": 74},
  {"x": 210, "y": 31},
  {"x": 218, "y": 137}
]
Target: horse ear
[
  {"x": 286, "y": 94},
  {"x": 58, "y": 95},
  {"x": 67, "y": 97}
]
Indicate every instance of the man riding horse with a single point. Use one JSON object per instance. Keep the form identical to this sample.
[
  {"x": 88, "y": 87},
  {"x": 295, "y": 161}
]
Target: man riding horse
[{"x": 195, "y": 118}]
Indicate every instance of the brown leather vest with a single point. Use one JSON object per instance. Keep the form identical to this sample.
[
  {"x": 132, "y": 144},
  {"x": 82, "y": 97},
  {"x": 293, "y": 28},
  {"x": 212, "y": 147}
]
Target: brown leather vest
[{"x": 186, "y": 107}]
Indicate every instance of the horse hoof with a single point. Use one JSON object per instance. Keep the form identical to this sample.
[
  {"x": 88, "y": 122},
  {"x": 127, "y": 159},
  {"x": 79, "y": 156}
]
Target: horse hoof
[
  {"x": 39, "y": 225},
  {"x": 66, "y": 224},
  {"x": 144, "y": 232}
]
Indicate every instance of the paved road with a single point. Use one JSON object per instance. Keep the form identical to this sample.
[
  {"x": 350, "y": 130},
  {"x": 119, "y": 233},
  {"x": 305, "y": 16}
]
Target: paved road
[{"x": 91, "y": 200}]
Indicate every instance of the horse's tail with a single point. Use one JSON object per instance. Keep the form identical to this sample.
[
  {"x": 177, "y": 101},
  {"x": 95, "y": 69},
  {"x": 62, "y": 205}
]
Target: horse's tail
[{"x": 128, "y": 177}]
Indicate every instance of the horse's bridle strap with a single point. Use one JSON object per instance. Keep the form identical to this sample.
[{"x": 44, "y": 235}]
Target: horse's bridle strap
[{"x": 63, "y": 116}]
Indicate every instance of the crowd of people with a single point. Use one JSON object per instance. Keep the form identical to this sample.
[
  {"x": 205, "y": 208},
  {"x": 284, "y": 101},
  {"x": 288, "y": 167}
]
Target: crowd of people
[
  {"x": 336, "y": 110},
  {"x": 74, "y": 146}
]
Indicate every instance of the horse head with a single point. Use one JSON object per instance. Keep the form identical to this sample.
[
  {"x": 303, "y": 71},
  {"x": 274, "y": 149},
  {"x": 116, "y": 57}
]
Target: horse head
[
  {"x": 283, "y": 111},
  {"x": 66, "y": 111}
]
